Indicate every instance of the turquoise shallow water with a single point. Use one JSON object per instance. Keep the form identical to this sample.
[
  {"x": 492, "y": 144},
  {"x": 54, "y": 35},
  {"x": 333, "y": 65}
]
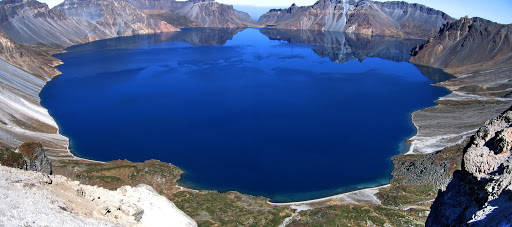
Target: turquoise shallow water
[{"x": 284, "y": 114}]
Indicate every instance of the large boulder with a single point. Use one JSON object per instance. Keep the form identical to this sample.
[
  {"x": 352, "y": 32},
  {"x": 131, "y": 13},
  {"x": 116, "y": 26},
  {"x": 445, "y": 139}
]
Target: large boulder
[{"x": 34, "y": 158}]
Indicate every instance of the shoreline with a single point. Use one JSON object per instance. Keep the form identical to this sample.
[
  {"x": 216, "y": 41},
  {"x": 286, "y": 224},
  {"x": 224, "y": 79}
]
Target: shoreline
[
  {"x": 365, "y": 195},
  {"x": 67, "y": 154}
]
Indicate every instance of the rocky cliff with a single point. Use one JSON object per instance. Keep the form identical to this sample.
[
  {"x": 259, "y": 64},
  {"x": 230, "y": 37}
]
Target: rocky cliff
[
  {"x": 397, "y": 19},
  {"x": 195, "y": 13},
  {"x": 74, "y": 21},
  {"x": 480, "y": 194},
  {"x": 468, "y": 42},
  {"x": 113, "y": 18}
]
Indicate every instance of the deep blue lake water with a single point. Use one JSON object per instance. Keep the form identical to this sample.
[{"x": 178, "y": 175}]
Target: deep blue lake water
[{"x": 284, "y": 114}]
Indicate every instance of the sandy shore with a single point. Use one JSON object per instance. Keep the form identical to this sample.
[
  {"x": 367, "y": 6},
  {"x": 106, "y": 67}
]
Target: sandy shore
[{"x": 362, "y": 196}]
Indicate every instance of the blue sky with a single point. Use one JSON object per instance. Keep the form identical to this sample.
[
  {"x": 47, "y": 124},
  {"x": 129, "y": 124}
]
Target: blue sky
[{"x": 495, "y": 10}]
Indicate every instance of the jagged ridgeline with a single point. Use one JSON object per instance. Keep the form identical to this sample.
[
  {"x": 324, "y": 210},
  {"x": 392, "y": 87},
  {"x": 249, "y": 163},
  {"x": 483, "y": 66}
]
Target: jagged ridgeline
[{"x": 398, "y": 19}]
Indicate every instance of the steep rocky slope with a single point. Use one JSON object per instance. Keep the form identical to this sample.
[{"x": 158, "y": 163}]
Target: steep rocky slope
[
  {"x": 468, "y": 42},
  {"x": 58, "y": 201},
  {"x": 33, "y": 59},
  {"x": 195, "y": 13},
  {"x": 480, "y": 194},
  {"x": 32, "y": 22},
  {"x": 74, "y": 21},
  {"x": 21, "y": 116},
  {"x": 478, "y": 53},
  {"x": 398, "y": 19}
]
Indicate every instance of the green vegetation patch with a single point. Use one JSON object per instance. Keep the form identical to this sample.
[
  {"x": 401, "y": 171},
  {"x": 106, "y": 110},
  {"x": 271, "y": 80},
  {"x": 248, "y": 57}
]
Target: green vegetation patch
[
  {"x": 229, "y": 209},
  {"x": 10, "y": 158},
  {"x": 112, "y": 175},
  {"x": 355, "y": 215},
  {"x": 403, "y": 195}
]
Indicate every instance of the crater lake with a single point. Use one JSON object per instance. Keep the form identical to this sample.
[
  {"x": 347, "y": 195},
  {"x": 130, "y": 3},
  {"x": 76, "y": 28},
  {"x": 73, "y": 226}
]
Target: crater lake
[{"x": 290, "y": 115}]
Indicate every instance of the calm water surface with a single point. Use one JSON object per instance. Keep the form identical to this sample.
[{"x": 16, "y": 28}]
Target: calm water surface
[{"x": 288, "y": 115}]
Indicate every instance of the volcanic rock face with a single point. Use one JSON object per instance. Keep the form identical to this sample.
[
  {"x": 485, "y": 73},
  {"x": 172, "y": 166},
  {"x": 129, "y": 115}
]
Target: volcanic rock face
[
  {"x": 467, "y": 42},
  {"x": 74, "y": 21},
  {"x": 480, "y": 194},
  {"x": 398, "y": 19},
  {"x": 113, "y": 18},
  {"x": 195, "y": 13}
]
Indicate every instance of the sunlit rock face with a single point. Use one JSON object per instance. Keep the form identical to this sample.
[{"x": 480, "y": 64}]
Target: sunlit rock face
[
  {"x": 73, "y": 22},
  {"x": 398, "y": 19},
  {"x": 113, "y": 18},
  {"x": 195, "y": 13},
  {"x": 467, "y": 42}
]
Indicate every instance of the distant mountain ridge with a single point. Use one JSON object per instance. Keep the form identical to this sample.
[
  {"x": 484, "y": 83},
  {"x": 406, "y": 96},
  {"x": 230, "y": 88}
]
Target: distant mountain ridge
[
  {"x": 398, "y": 19},
  {"x": 195, "y": 13}
]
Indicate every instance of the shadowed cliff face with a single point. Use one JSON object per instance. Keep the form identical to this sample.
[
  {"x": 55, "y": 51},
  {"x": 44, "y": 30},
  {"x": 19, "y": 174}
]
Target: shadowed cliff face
[
  {"x": 397, "y": 19},
  {"x": 467, "y": 42},
  {"x": 74, "y": 21},
  {"x": 195, "y": 13}
]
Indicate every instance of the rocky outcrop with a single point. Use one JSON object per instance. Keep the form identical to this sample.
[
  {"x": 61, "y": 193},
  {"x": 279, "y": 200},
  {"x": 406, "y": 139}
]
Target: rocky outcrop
[
  {"x": 399, "y": 19},
  {"x": 480, "y": 194},
  {"x": 34, "y": 199},
  {"x": 34, "y": 158},
  {"x": 432, "y": 169},
  {"x": 195, "y": 13},
  {"x": 74, "y": 21},
  {"x": 466, "y": 44}
]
